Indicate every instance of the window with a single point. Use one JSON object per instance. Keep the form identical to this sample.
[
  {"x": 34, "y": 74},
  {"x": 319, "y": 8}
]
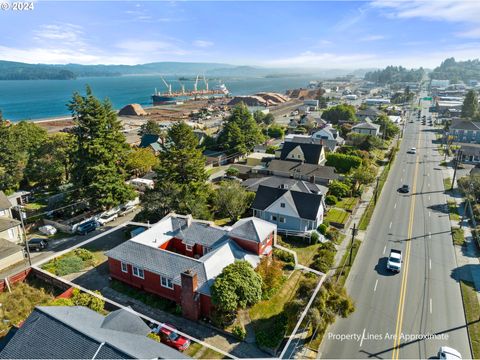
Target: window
[
  {"x": 282, "y": 205},
  {"x": 282, "y": 219},
  {"x": 138, "y": 272},
  {"x": 189, "y": 247},
  {"x": 124, "y": 267},
  {"x": 273, "y": 218},
  {"x": 166, "y": 282},
  {"x": 11, "y": 234}
]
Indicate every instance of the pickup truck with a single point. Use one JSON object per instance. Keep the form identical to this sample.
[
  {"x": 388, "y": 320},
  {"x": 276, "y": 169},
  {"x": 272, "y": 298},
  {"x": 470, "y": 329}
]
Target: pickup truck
[{"x": 394, "y": 262}]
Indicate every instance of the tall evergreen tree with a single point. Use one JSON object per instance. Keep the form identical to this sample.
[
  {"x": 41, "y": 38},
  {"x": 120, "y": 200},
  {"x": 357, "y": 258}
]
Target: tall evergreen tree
[
  {"x": 100, "y": 154},
  {"x": 470, "y": 105},
  {"x": 241, "y": 132}
]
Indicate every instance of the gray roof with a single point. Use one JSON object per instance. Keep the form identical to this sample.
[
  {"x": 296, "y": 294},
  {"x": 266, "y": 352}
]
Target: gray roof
[
  {"x": 465, "y": 125},
  {"x": 368, "y": 112},
  {"x": 158, "y": 261},
  {"x": 294, "y": 167},
  {"x": 76, "y": 332},
  {"x": 469, "y": 149},
  {"x": 4, "y": 202},
  {"x": 8, "y": 223},
  {"x": 201, "y": 233},
  {"x": 307, "y": 205},
  {"x": 366, "y": 125},
  {"x": 8, "y": 248},
  {"x": 252, "y": 228},
  {"x": 252, "y": 184}
]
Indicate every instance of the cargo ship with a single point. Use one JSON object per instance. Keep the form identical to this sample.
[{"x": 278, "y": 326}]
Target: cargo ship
[{"x": 169, "y": 97}]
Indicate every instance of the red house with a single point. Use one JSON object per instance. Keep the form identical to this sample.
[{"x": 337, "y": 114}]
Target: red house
[{"x": 178, "y": 258}]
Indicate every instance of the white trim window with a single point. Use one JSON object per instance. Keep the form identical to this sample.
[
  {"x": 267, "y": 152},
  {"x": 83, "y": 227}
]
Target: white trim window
[
  {"x": 166, "y": 282},
  {"x": 11, "y": 234},
  {"x": 189, "y": 247},
  {"x": 138, "y": 272},
  {"x": 282, "y": 219},
  {"x": 124, "y": 267}
]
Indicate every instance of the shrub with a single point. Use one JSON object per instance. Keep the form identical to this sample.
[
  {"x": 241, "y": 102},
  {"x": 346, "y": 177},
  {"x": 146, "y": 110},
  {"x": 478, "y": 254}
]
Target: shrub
[
  {"x": 84, "y": 299},
  {"x": 315, "y": 237},
  {"x": 343, "y": 163},
  {"x": 154, "y": 337},
  {"x": 239, "y": 332},
  {"x": 83, "y": 254},
  {"x": 332, "y": 234},
  {"x": 331, "y": 200},
  {"x": 68, "y": 265},
  {"x": 284, "y": 256},
  {"x": 61, "y": 302},
  {"x": 325, "y": 258},
  {"x": 322, "y": 229},
  {"x": 271, "y": 272},
  {"x": 232, "y": 171},
  {"x": 338, "y": 189}
]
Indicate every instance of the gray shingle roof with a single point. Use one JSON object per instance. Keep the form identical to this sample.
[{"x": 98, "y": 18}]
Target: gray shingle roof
[
  {"x": 307, "y": 205},
  {"x": 311, "y": 152},
  {"x": 294, "y": 167},
  {"x": 201, "y": 233},
  {"x": 252, "y": 228},
  {"x": 4, "y": 202},
  {"x": 252, "y": 184},
  {"x": 8, "y": 223},
  {"x": 465, "y": 125},
  {"x": 8, "y": 248},
  {"x": 64, "y": 332},
  {"x": 366, "y": 125}
]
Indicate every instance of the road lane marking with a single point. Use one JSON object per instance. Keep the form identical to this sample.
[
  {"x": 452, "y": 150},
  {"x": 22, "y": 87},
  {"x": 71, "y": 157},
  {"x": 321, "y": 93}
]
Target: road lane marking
[
  {"x": 430, "y": 305},
  {"x": 384, "y": 249},
  {"x": 429, "y": 235},
  {"x": 430, "y": 263},
  {"x": 390, "y": 226},
  {"x": 395, "y": 206},
  {"x": 428, "y": 184},
  {"x": 403, "y": 288},
  {"x": 375, "y": 288},
  {"x": 363, "y": 335},
  {"x": 429, "y": 214},
  {"x": 429, "y": 198}
]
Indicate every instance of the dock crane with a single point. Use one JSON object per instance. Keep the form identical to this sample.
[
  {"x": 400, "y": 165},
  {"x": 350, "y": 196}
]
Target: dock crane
[{"x": 169, "y": 86}]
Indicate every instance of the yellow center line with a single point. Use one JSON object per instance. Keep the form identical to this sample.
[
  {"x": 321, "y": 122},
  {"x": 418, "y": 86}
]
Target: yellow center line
[{"x": 406, "y": 258}]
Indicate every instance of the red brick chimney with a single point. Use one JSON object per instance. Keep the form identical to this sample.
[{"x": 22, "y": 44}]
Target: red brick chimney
[{"x": 190, "y": 299}]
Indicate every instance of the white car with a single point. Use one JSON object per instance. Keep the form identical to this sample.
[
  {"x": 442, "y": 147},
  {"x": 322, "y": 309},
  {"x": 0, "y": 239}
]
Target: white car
[
  {"x": 47, "y": 230},
  {"x": 105, "y": 218},
  {"x": 448, "y": 353},
  {"x": 412, "y": 151}
]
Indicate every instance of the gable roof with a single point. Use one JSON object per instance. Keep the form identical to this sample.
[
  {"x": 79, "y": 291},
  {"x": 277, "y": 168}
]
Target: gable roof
[
  {"x": 465, "y": 125},
  {"x": 8, "y": 248},
  {"x": 368, "y": 112},
  {"x": 295, "y": 167},
  {"x": 148, "y": 139},
  {"x": 8, "y": 223},
  {"x": 306, "y": 204},
  {"x": 310, "y": 151},
  {"x": 5, "y": 204},
  {"x": 202, "y": 233},
  {"x": 366, "y": 125},
  {"x": 76, "y": 332},
  {"x": 252, "y": 184}
]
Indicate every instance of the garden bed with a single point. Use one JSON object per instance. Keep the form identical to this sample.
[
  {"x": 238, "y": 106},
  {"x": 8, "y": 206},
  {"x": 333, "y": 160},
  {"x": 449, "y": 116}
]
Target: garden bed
[
  {"x": 337, "y": 217},
  {"x": 305, "y": 251}
]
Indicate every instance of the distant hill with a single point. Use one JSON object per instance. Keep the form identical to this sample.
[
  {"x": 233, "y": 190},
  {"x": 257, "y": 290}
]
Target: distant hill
[
  {"x": 456, "y": 71},
  {"x": 392, "y": 74}
]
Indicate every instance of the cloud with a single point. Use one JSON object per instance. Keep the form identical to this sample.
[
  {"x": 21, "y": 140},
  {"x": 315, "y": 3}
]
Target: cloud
[
  {"x": 456, "y": 11},
  {"x": 202, "y": 43},
  {"x": 372, "y": 38},
  {"x": 351, "y": 19},
  {"x": 151, "y": 46}
]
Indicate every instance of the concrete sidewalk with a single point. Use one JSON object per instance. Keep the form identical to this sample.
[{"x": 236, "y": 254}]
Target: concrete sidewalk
[{"x": 467, "y": 255}]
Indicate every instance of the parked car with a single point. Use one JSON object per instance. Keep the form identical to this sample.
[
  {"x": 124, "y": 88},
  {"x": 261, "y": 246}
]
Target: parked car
[
  {"x": 86, "y": 227},
  {"x": 106, "y": 218},
  {"x": 171, "y": 338},
  {"x": 47, "y": 230},
  {"x": 404, "y": 189},
  {"x": 124, "y": 210},
  {"x": 412, "y": 151},
  {"x": 232, "y": 178},
  {"x": 37, "y": 244},
  {"x": 446, "y": 352}
]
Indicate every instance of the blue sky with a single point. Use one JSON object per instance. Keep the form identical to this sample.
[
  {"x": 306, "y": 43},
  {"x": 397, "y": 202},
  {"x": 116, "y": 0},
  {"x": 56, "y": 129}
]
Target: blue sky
[{"x": 314, "y": 34}]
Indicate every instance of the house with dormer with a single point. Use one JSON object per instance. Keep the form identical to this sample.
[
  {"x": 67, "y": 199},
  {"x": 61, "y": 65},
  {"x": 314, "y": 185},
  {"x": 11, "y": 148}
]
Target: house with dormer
[
  {"x": 178, "y": 258},
  {"x": 309, "y": 153},
  {"x": 290, "y": 209}
]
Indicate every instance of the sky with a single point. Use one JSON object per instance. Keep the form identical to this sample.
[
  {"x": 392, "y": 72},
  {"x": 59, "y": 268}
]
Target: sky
[{"x": 312, "y": 34}]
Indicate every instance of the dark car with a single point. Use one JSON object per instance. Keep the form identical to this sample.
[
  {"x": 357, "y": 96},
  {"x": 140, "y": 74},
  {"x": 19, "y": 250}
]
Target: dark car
[
  {"x": 37, "y": 244},
  {"x": 404, "y": 189},
  {"x": 87, "y": 227}
]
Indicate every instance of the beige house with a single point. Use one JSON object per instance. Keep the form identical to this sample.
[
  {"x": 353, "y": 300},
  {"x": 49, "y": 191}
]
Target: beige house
[
  {"x": 9, "y": 227},
  {"x": 10, "y": 253},
  {"x": 257, "y": 158}
]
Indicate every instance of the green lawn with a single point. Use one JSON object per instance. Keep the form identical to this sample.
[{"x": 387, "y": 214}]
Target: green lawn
[
  {"x": 458, "y": 236},
  {"x": 347, "y": 204},
  {"x": 305, "y": 251},
  {"x": 447, "y": 183},
  {"x": 453, "y": 210},
  {"x": 198, "y": 351},
  {"x": 472, "y": 309},
  {"x": 216, "y": 169},
  {"x": 337, "y": 215},
  {"x": 267, "y": 316}
]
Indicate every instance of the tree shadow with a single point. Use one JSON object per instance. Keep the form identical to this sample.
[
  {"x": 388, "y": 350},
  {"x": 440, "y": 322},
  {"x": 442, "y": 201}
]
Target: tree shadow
[{"x": 440, "y": 208}]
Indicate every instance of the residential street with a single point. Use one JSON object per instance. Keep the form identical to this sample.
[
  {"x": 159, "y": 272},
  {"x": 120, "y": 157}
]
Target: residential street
[{"x": 424, "y": 298}]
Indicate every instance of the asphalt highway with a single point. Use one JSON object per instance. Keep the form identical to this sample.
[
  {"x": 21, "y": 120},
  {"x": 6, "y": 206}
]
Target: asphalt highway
[{"x": 412, "y": 313}]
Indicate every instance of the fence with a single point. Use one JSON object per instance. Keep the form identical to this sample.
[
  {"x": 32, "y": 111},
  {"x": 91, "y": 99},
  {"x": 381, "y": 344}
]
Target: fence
[{"x": 12, "y": 279}]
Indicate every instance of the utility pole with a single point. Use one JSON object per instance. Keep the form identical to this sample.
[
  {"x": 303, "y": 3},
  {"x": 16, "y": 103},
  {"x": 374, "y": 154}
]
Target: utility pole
[
  {"x": 457, "y": 158},
  {"x": 24, "y": 234},
  {"x": 354, "y": 232},
  {"x": 376, "y": 192}
]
